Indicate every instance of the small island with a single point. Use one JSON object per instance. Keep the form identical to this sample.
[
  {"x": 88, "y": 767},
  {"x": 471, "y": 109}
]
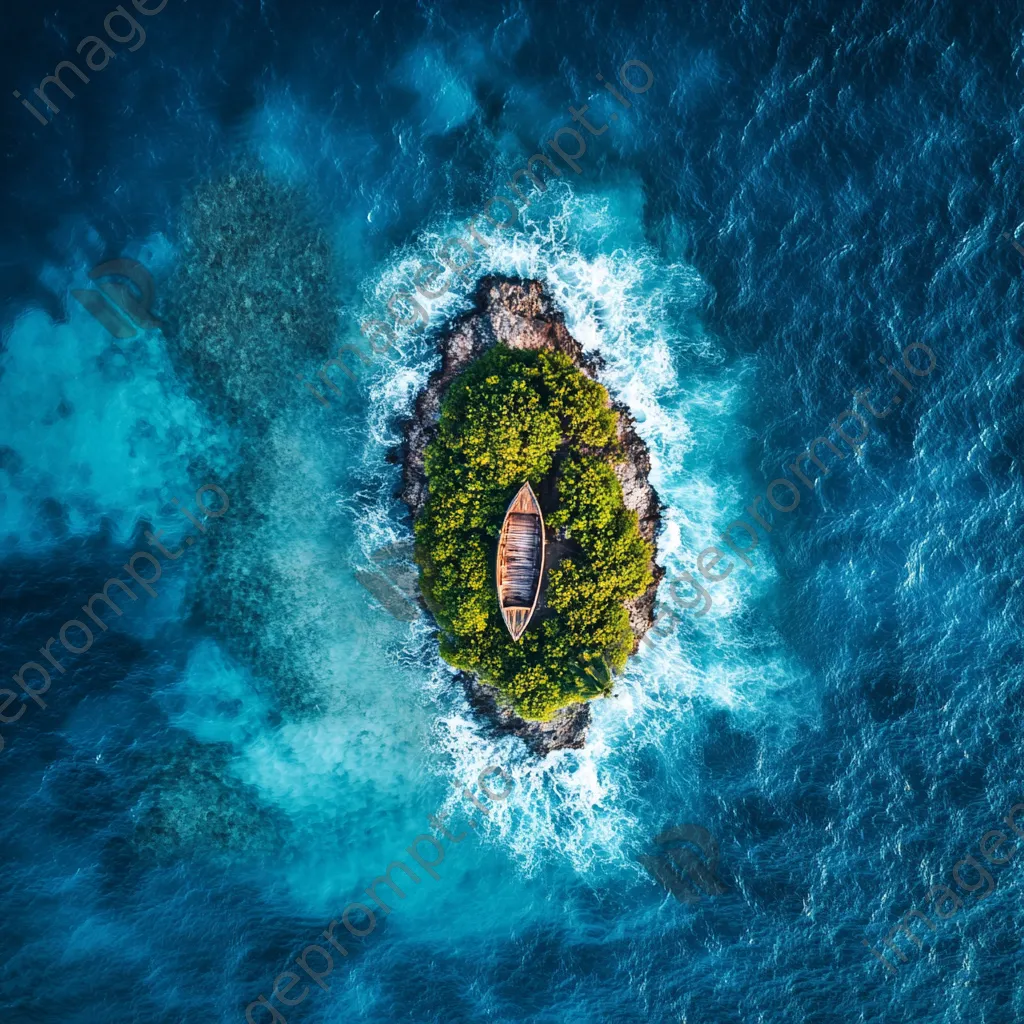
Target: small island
[{"x": 515, "y": 424}]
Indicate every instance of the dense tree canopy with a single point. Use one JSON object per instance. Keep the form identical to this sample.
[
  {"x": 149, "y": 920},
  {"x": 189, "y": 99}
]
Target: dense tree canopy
[{"x": 514, "y": 416}]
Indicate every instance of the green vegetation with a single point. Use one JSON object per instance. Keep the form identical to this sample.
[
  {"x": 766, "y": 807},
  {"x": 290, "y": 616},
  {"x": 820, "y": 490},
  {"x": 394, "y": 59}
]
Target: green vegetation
[{"x": 514, "y": 416}]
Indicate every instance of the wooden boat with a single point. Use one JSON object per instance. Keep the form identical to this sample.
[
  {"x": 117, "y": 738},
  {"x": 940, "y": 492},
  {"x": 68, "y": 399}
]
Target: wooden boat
[{"x": 520, "y": 560}]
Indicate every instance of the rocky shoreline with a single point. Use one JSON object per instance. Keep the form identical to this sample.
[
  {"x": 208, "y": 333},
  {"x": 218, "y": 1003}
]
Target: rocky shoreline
[{"x": 522, "y": 314}]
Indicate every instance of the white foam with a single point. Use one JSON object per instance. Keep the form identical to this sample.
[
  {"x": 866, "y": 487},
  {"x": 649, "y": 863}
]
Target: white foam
[{"x": 621, "y": 299}]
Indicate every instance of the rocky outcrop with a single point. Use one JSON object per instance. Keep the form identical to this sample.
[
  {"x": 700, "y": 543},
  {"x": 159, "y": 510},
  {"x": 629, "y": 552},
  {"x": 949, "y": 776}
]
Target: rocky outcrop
[
  {"x": 566, "y": 731},
  {"x": 524, "y": 316}
]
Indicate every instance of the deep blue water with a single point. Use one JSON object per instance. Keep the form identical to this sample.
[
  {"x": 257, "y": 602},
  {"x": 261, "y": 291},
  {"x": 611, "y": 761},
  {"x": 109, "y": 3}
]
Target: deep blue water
[{"x": 804, "y": 189}]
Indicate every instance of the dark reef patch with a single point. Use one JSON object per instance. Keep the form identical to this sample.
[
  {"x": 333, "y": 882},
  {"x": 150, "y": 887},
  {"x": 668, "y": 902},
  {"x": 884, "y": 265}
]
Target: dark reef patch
[{"x": 253, "y": 293}]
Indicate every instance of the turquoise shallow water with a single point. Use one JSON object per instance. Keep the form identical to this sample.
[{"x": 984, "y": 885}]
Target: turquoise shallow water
[{"x": 801, "y": 191}]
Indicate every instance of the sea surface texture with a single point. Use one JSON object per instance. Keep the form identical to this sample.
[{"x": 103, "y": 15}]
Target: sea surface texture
[{"x": 805, "y": 190}]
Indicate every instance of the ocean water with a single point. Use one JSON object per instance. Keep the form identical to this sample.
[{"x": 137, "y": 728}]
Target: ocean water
[{"x": 803, "y": 190}]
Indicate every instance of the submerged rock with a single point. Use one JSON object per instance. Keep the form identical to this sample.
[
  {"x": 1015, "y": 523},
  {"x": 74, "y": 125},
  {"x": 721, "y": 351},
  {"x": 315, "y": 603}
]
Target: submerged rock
[
  {"x": 192, "y": 804},
  {"x": 267, "y": 592},
  {"x": 523, "y": 316},
  {"x": 253, "y": 294}
]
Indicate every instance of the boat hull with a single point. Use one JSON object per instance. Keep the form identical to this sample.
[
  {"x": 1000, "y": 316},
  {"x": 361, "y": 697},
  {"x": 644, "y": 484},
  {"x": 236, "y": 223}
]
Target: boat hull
[{"x": 521, "y": 548}]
